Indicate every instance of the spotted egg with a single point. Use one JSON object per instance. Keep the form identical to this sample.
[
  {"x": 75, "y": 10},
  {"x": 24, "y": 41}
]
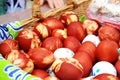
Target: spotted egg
[
  {"x": 103, "y": 67},
  {"x": 63, "y": 53},
  {"x": 93, "y": 38}
]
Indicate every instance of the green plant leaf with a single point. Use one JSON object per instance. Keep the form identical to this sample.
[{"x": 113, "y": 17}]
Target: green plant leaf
[{"x": 82, "y": 18}]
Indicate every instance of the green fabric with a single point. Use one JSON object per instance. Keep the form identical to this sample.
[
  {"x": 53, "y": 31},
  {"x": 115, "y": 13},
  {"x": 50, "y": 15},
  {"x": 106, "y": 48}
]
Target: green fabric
[
  {"x": 2, "y": 7},
  {"x": 9, "y": 71}
]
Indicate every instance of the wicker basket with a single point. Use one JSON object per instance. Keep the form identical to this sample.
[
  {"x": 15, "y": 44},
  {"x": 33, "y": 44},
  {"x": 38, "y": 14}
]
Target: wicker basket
[{"x": 78, "y": 6}]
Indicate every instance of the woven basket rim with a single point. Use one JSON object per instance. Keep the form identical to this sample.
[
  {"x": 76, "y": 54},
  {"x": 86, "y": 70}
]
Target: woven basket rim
[{"x": 38, "y": 15}]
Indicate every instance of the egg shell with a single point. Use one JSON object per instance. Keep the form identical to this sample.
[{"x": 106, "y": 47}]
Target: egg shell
[
  {"x": 117, "y": 66},
  {"x": 63, "y": 52},
  {"x": 87, "y": 78},
  {"x": 67, "y": 69},
  {"x": 89, "y": 48},
  {"x": 106, "y": 76},
  {"x": 103, "y": 67},
  {"x": 93, "y": 38},
  {"x": 86, "y": 61},
  {"x": 107, "y": 51}
]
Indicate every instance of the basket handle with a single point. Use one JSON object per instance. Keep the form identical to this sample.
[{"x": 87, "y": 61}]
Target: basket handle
[
  {"x": 73, "y": 2},
  {"x": 37, "y": 14},
  {"x": 69, "y": 4},
  {"x": 36, "y": 8}
]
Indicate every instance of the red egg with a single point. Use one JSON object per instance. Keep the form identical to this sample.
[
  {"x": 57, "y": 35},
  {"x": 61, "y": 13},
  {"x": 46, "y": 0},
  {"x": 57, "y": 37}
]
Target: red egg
[
  {"x": 42, "y": 30},
  {"x": 27, "y": 39},
  {"x": 75, "y": 29},
  {"x": 40, "y": 73},
  {"x": 87, "y": 78},
  {"x": 20, "y": 59},
  {"x": 88, "y": 47},
  {"x": 85, "y": 60},
  {"x": 108, "y": 32},
  {"x": 52, "y": 43},
  {"x": 60, "y": 33},
  {"x": 105, "y": 76},
  {"x": 72, "y": 43},
  {"x": 53, "y": 23},
  {"x": 42, "y": 57},
  {"x": 68, "y": 16},
  {"x": 107, "y": 50},
  {"x": 67, "y": 69},
  {"x": 117, "y": 66},
  {"x": 51, "y": 78},
  {"x": 8, "y": 45},
  {"x": 90, "y": 26},
  {"x": 119, "y": 43}
]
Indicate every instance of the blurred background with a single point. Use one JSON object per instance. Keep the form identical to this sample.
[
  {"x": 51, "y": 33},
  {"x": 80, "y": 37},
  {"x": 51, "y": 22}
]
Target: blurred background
[
  {"x": 19, "y": 14},
  {"x": 9, "y": 6}
]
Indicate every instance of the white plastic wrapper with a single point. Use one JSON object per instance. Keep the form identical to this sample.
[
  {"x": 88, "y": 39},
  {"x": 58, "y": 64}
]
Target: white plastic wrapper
[{"x": 105, "y": 11}]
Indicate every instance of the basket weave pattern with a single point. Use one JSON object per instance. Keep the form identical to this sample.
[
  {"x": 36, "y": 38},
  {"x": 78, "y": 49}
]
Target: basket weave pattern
[{"x": 78, "y": 6}]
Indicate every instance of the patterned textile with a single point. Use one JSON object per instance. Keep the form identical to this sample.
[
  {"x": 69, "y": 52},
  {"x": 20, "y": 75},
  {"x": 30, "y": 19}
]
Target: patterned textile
[{"x": 15, "y": 5}]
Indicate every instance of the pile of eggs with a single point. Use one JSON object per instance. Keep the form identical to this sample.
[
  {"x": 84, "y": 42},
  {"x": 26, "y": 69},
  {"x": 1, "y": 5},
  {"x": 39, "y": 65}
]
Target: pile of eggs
[{"x": 66, "y": 49}]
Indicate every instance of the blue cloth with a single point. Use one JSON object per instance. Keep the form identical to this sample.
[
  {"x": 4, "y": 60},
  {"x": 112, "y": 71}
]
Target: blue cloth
[{"x": 15, "y": 5}]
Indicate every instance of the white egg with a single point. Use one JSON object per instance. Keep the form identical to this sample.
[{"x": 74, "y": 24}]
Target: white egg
[
  {"x": 93, "y": 38},
  {"x": 63, "y": 52},
  {"x": 103, "y": 67}
]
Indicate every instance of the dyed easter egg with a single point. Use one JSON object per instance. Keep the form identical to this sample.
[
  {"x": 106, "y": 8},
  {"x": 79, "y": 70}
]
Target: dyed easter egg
[
  {"x": 103, "y": 67},
  {"x": 63, "y": 52}
]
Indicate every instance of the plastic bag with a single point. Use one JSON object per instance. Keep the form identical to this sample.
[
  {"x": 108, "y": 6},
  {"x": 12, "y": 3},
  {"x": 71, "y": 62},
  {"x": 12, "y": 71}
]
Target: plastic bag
[
  {"x": 105, "y": 11},
  {"x": 10, "y": 30}
]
